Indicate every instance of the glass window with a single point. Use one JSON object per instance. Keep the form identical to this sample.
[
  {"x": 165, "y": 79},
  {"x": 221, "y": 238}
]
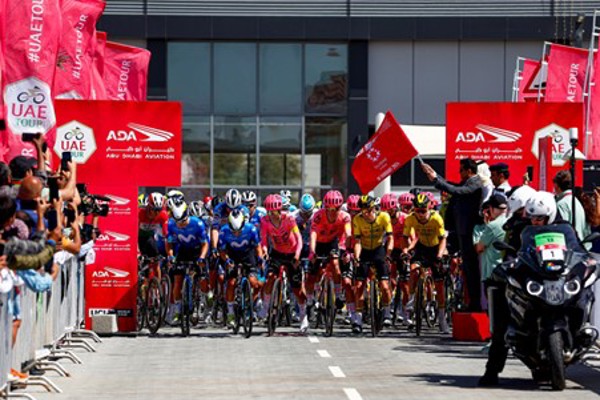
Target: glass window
[
  {"x": 438, "y": 164},
  {"x": 280, "y": 81},
  {"x": 195, "y": 162},
  {"x": 280, "y": 151},
  {"x": 326, "y": 151},
  {"x": 235, "y": 151},
  {"x": 235, "y": 78},
  {"x": 326, "y": 77},
  {"x": 188, "y": 76}
]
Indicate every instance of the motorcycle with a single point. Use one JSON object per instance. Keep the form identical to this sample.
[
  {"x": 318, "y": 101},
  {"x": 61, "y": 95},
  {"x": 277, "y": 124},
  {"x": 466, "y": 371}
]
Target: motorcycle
[{"x": 550, "y": 297}]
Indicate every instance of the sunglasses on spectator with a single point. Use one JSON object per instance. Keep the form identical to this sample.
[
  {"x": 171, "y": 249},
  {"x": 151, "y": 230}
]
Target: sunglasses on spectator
[{"x": 421, "y": 210}]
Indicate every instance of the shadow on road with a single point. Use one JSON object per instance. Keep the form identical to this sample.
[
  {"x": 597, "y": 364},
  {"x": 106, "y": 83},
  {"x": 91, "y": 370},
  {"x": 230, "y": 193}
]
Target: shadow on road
[{"x": 468, "y": 381}]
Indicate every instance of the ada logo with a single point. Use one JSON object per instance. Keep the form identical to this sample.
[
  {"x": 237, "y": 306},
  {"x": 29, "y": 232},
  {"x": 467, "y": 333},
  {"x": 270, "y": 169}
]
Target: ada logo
[
  {"x": 109, "y": 236},
  {"x": 29, "y": 106},
  {"x": 78, "y": 139},
  {"x": 560, "y": 143},
  {"x": 119, "y": 201},
  {"x": 109, "y": 272},
  {"x": 500, "y": 135},
  {"x": 145, "y": 134}
]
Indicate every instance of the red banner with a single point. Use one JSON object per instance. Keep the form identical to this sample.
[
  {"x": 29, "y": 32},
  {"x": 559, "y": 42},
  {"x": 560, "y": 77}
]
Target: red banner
[
  {"x": 77, "y": 45},
  {"x": 111, "y": 276},
  {"x": 566, "y": 73},
  {"x": 545, "y": 164},
  {"x": 387, "y": 151},
  {"x": 98, "y": 87},
  {"x": 510, "y": 133},
  {"x": 126, "y": 72},
  {"x": 121, "y": 141},
  {"x": 593, "y": 140},
  {"x": 529, "y": 69},
  {"x": 31, "y": 32}
]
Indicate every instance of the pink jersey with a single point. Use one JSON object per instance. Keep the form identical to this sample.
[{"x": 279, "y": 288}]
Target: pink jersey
[
  {"x": 400, "y": 241},
  {"x": 328, "y": 231},
  {"x": 284, "y": 238}
]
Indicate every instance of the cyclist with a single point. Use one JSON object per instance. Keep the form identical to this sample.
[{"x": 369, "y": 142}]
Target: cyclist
[
  {"x": 405, "y": 200},
  {"x": 239, "y": 243},
  {"x": 255, "y": 213},
  {"x": 187, "y": 242},
  {"x": 279, "y": 230},
  {"x": 389, "y": 204},
  {"x": 153, "y": 221},
  {"x": 174, "y": 198},
  {"x": 374, "y": 243},
  {"x": 286, "y": 198},
  {"x": 330, "y": 230},
  {"x": 427, "y": 237},
  {"x": 142, "y": 201},
  {"x": 197, "y": 209},
  {"x": 306, "y": 210}
]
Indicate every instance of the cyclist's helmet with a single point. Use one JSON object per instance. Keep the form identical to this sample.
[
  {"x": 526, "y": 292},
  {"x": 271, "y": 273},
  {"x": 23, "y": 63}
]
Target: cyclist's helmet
[
  {"x": 180, "y": 212},
  {"x": 432, "y": 199},
  {"x": 196, "y": 208},
  {"x": 273, "y": 202},
  {"x": 249, "y": 198},
  {"x": 215, "y": 201},
  {"x": 236, "y": 220},
  {"x": 307, "y": 203},
  {"x": 156, "y": 201},
  {"x": 421, "y": 201},
  {"x": 233, "y": 198},
  {"x": 285, "y": 203},
  {"x": 367, "y": 202},
  {"x": 176, "y": 195},
  {"x": 406, "y": 200},
  {"x": 352, "y": 202},
  {"x": 333, "y": 199},
  {"x": 541, "y": 204},
  {"x": 286, "y": 193},
  {"x": 142, "y": 200},
  {"x": 389, "y": 202},
  {"x": 415, "y": 191}
]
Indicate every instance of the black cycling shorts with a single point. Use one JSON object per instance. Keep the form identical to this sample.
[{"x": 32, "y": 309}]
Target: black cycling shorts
[
  {"x": 427, "y": 256},
  {"x": 277, "y": 259},
  {"x": 374, "y": 257},
  {"x": 402, "y": 270},
  {"x": 248, "y": 260}
]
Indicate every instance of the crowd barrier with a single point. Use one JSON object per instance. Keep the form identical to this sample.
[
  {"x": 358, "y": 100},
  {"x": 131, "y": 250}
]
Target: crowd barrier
[{"x": 50, "y": 323}]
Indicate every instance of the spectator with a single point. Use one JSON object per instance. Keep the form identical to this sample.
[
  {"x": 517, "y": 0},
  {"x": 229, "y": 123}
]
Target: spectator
[
  {"x": 464, "y": 205},
  {"x": 564, "y": 202},
  {"x": 6, "y": 189},
  {"x": 494, "y": 218},
  {"x": 500, "y": 175},
  {"x": 21, "y": 167}
]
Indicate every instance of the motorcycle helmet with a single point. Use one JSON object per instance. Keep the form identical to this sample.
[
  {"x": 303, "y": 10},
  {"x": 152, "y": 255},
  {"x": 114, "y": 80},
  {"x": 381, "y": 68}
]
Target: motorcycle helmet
[
  {"x": 541, "y": 204},
  {"x": 518, "y": 197}
]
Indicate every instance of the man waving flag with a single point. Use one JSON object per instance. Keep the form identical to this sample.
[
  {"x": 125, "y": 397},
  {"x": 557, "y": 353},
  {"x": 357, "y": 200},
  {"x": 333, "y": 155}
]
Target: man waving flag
[{"x": 387, "y": 151}]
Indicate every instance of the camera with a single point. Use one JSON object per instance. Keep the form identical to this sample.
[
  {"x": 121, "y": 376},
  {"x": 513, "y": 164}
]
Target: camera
[{"x": 92, "y": 203}]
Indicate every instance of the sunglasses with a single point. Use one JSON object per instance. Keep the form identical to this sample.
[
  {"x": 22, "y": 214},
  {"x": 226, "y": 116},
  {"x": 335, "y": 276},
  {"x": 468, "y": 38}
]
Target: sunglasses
[
  {"x": 274, "y": 212},
  {"x": 367, "y": 211},
  {"x": 333, "y": 208},
  {"x": 421, "y": 210}
]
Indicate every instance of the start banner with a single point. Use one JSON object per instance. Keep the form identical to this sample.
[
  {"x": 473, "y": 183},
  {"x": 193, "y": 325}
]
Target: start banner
[
  {"x": 510, "y": 133},
  {"x": 111, "y": 271},
  {"x": 124, "y": 142}
]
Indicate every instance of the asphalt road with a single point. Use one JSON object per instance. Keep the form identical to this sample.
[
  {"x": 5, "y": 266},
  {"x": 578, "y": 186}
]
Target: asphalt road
[{"x": 214, "y": 364}]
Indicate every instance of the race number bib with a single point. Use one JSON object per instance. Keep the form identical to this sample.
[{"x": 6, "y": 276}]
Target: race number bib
[{"x": 551, "y": 246}]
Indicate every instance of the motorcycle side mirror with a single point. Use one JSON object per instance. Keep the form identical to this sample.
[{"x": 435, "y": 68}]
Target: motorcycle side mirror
[
  {"x": 592, "y": 237},
  {"x": 503, "y": 246}
]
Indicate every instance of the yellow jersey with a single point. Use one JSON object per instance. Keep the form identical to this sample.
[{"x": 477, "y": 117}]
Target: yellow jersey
[
  {"x": 371, "y": 234},
  {"x": 429, "y": 233}
]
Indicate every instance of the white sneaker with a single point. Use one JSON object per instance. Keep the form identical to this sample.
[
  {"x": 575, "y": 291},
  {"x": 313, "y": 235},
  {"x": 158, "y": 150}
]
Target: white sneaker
[
  {"x": 406, "y": 321},
  {"x": 304, "y": 325},
  {"x": 442, "y": 321}
]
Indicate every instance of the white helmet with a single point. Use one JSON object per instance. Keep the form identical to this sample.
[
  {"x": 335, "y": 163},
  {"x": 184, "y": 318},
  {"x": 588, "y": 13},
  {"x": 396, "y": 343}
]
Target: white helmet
[
  {"x": 541, "y": 204},
  {"x": 196, "y": 208},
  {"x": 180, "y": 212},
  {"x": 519, "y": 197},
  {"x": 286, "y": 193},
  {"x": 156, "y": 201},
  {"x": 249, "y": 197},
  {"x": 233, "y": 198},
  {"x": 176, "y": 194},
  {"x": 236, "y": 220}
]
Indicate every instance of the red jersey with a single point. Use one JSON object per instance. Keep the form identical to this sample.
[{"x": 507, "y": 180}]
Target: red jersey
[
  {"x": 158, "y": 225},
  {"x": 327, "y": 231},
  {"x": 400, "y": 241}
]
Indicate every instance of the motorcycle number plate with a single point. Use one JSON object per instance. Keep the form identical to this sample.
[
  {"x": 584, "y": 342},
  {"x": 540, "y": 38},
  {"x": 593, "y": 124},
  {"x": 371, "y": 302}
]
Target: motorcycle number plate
[
  {"x": 553, "y": 255},
  {"x": 554, "y": 292}
]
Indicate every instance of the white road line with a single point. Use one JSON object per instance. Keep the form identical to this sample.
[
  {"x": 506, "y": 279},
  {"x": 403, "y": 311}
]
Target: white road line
[
  {"x": 324, "y": 353},
  {"x": 313, "y": 339},
  {"x": 352, "y": 394},
  {"x": 337, "y": 372}
]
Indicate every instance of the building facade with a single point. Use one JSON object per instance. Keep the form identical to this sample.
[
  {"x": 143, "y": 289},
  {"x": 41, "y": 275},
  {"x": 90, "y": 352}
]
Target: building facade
[{"x": 280, "y": 94}]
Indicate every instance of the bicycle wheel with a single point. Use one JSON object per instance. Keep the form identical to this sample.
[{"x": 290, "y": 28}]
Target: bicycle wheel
[
  {"x": 186, "y": 305},
  {"x": 430, "y": 306},
  {"x": 397, "y": 303},
  {"x": 450, "y": 299},
  {"x": 153, "y": 306},
  {"x": 195, "y": 316},
  {"x": 237, "y": 310},
  {"x": 247, "y": 309},
  {"x": 329, "y": 307},
  {"x": 165, "y": 284},
  {"x": 373, "y": 307},
  {"x": 141, "y": 308},
  {"x": 419, "y": 306},
  {"x": 274, "y": 307}
]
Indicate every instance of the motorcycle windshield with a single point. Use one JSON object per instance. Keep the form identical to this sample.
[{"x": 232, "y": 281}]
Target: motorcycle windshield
[{"x": 551, "y": 245}]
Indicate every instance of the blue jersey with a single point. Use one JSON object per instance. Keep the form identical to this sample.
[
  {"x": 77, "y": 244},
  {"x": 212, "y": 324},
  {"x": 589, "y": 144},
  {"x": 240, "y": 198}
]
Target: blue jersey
[
  {"x": 221, "y": 212},
  {"x": 255, "y": 219},
  {"x": 191, "y": 236},
  {"x": 247, "y": 240},
  {"x": 304, "y": 227}
]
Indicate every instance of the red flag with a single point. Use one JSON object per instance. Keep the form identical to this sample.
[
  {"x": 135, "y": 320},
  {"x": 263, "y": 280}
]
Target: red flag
[
  {"x": 387, "y": 151},
  {"x": 98, "y": 87},
  {"x": 31, "y": 30},
  {"x": 537, "y": 81},
  {"x": 529, "y": 68},
  {"x": 593, "y": 140},
  {"x": 126, "y": 72},
  {"x": 77, "y": 44},
  {"x": 566, "y": 73}
]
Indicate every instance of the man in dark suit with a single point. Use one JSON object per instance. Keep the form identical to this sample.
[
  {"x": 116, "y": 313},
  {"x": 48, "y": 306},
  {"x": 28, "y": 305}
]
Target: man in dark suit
[{"x": 464, "y": 206}]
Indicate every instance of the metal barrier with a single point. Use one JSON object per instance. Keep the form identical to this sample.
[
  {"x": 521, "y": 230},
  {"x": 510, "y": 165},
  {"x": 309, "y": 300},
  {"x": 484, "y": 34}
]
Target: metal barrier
[{"x": 50, "y": 323}]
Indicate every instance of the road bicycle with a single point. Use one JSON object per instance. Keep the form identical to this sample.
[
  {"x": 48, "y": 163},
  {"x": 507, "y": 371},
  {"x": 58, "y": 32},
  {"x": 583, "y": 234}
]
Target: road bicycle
[
  {"x": 403, "y": 270},
  {"x": 187, "y": 290},
  {"x": 244, "y": 301},
  {"x": 278, "y": 299},
  {"x": 325, "y": 294},
  {"x": 151, "y": 293},
  {"x": 425, "y": 305}
]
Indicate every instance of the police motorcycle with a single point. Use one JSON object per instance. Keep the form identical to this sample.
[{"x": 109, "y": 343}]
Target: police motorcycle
[{"x": 550, "y": 297}]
